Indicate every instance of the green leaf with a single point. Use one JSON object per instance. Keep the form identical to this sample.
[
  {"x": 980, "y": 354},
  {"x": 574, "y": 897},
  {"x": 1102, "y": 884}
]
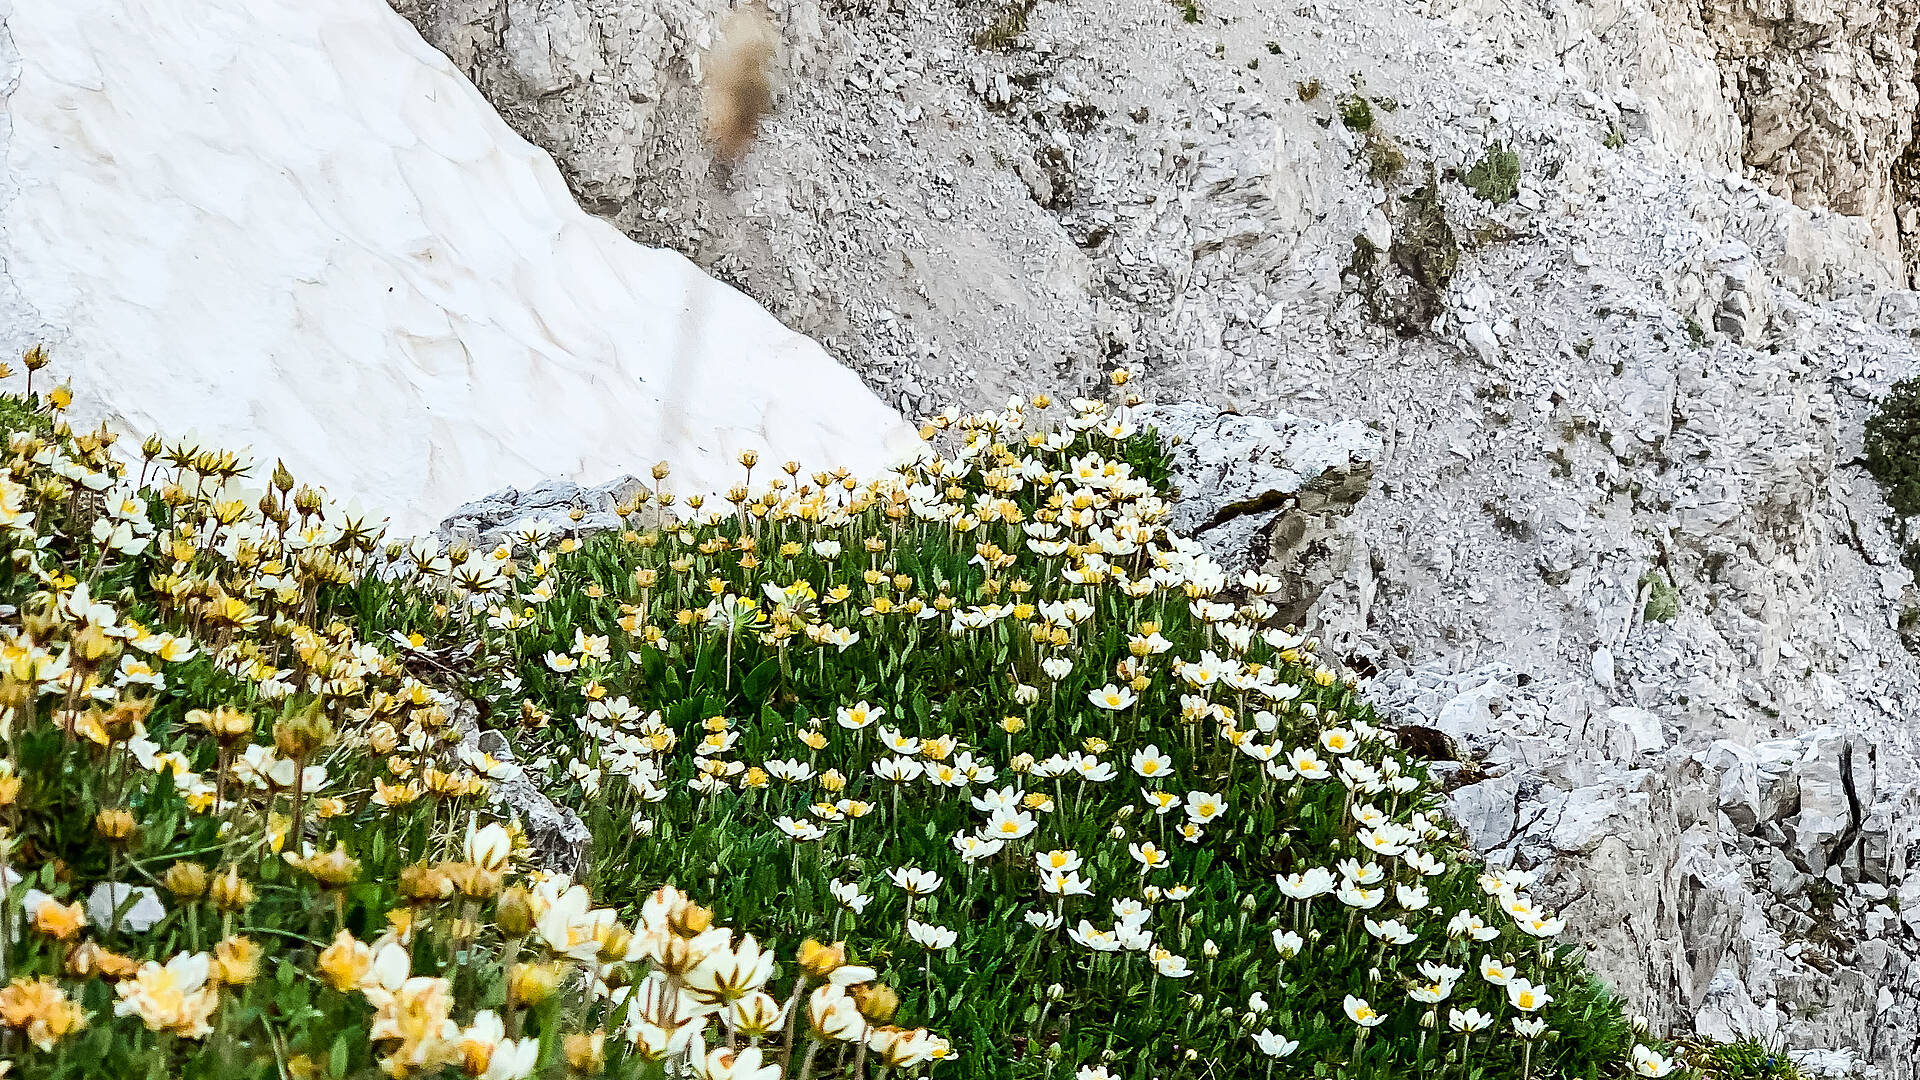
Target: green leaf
[{"x": 760, "y": 680}]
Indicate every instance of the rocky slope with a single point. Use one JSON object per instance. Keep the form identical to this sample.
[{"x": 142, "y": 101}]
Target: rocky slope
[
  {"x": 296, "y": 226},
  {"x": 1618, "y": 544}
]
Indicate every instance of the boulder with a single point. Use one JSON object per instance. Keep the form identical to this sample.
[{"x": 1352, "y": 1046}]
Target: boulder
[{"x": 1268, "y": 493}]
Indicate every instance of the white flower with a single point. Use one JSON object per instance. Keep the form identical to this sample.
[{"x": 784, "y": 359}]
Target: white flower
[
  {"x": 1467, "y": 924},
  {"x": 929, "y": 935},
  {"x": 1043, "y": 920},
  {"x": 1648, "y": 1063},
  {"x": 1057, "y": 860},
  {"x": 1274, "y": 1045},
  {"x": 1308, "y": 764},
  {"x": 973, "y": 848},
  {"x": 1494, "y": 971},
  {"x": 849, "y": 896},
  {"x": 1362, "y": 1013},
  {"x": 1097, "y": 940},
  {"x": 489, "y": 847},
  {"x": 1069, "y": 883},
  {"x": 1147, "y": 854},
  {"x": 1111, "y": 697},
  {"x": 1356, "y": 897},
  {"x": 914, "y": 881},
  {"x": 1471, "y": 1020},
  {"x": 1056, "y": 667},
  {"x": 143, "y": 906},
  {"x": 1204, "y": 806},
  {"x": 1288, "y": 943},
  {"x": 1526, "y": 996},
  {"x": 802, "y": 829},
  {"x": 1391, "y": 931},
  {"x": 1009, "y": 824},
  {"x": 1529, "y": 1029},
  {"x": 1150, "y": 763},
  {"x": 1306, "y": 884},
  {"x": 859, "y": 715},
  {"x": 1540, "y": 926},
  {"x": 1171, "y": 966}
]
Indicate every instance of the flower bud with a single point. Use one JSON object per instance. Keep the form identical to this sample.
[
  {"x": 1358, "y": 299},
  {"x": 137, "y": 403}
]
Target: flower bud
[
  {"x": 876, "y": 1001},
  {"x": 115, "y": 824},
  {"x": 820, "y": 960},
  {"x": 531, "y": 984},
  {"x": 229, "y": 891},
  {"x": 513, "y": 913},
  {"x": 691, "y": 920},
  {"x": 587, "y": 1051},
  {"x": 186, "y": 880}
]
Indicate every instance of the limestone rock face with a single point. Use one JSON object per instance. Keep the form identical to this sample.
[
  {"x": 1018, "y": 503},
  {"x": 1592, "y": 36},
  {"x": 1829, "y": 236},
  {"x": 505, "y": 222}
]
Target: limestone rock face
[
  {"x": 1710, "y": 876},
  {"x": 1825, "y": 93},
  {"x": 296, "y": 225}
]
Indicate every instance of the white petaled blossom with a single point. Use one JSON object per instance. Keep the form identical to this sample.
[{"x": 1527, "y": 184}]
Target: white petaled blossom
[
  {"x": 931, "y": 936},
  {"x": 1649, "y": 1063},
  {"x": 1273, "y": 1045},
  {"x": 914, "y": 881}
]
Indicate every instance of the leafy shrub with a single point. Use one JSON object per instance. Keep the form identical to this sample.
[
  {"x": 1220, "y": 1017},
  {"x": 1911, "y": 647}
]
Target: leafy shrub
[
  {"x": 1747, "y": 1059},
  {"x": 1893, "y": 447},
  {"x": 1663, "y": 600},
  {"x": 1357, "y": 113},
  {"x": 1496, "y": 176},
  {"x": 1893, "y": 457}
]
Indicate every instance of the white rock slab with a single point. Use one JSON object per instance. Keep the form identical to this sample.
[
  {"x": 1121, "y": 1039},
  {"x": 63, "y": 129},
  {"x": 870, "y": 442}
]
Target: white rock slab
[{"x": 293, "y": 224}]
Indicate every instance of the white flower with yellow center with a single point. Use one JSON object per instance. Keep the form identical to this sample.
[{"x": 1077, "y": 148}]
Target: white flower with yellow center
[{"x": 1362, "y": 1013}]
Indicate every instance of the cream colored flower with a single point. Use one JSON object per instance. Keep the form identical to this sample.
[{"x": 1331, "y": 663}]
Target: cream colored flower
[{"x": 174, "y": 997}]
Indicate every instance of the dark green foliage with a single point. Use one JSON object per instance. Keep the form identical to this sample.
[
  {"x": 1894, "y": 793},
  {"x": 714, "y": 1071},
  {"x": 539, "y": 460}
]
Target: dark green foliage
[
  {"x": 1747, "y": 1059},
  {"x": 1893, "y": 447},
  {"x": 1893, "y": 457},
  {"x": 1357, "y": 113},
  {"x": 1496, "y": 176},
  {"x": 21, "y": 414}
]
